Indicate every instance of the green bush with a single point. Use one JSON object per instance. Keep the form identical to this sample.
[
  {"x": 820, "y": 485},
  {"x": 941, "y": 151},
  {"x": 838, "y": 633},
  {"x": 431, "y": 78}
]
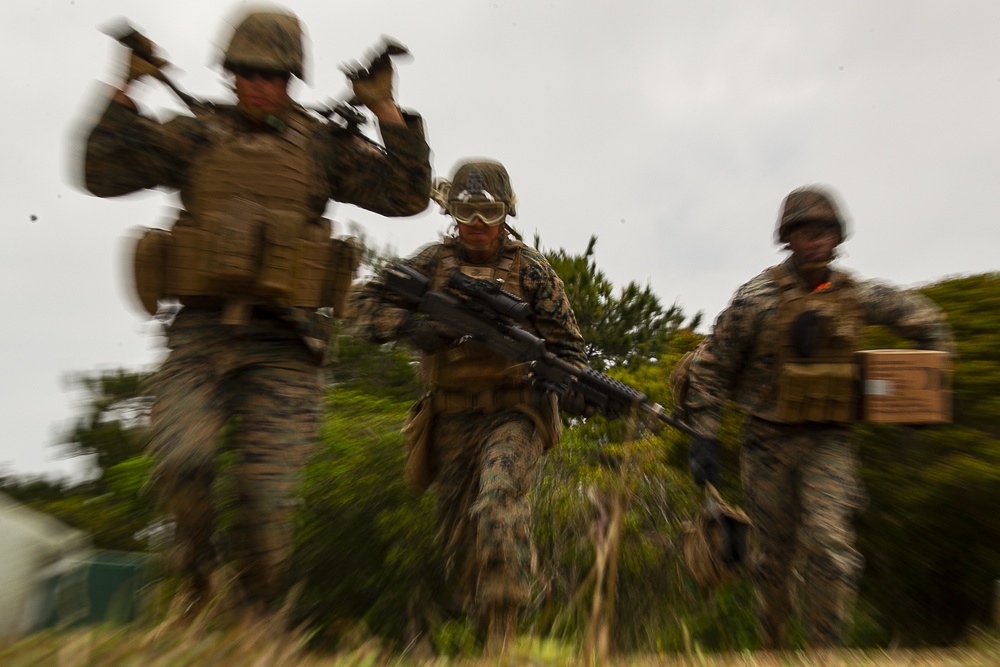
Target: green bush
[
  {"x": 931, "y": 535},
  {"x": 365, "y": 547}
]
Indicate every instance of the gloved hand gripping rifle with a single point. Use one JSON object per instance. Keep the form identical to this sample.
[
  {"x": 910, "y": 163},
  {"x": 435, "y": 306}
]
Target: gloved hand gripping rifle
[
  {"x": 142, "y": 46},
  {"x": 480, "y": 310}
]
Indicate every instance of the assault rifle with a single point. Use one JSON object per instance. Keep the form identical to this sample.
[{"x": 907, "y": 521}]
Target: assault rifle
[{"x": 480, "y": 310}]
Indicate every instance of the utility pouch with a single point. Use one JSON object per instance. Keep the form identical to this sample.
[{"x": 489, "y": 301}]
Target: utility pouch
[
  {"x": 189, "y": 257},
  {"x": 417, "y": 432},
  {"x": 312, "y": 256},
  {"x": 149, "y": 265},
  {"x": 342, "y": 268},
  {"x": 471, "y": 366},
  {"x": 239, "y": 233},
  {"x": 276, "y": 279},
  {"x": 550, "y": 424},
  {"x": 817, "y": 392}
]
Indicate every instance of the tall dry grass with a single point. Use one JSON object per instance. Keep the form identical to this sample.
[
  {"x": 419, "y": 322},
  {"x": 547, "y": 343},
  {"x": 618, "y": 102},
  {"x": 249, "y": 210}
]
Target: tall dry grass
[{"x": 242, "y": 639}]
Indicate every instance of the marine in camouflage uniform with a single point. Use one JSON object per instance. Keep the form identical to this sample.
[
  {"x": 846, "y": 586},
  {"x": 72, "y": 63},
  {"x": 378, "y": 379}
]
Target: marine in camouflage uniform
[
  {"x": 244, "y": 354},
  {"x": 783, "y": 352},
  {"x": 480, "y": 430}
]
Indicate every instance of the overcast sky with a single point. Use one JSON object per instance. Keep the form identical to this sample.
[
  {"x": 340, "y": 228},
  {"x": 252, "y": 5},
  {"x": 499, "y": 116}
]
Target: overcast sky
[{"x": 669, "y": 129}]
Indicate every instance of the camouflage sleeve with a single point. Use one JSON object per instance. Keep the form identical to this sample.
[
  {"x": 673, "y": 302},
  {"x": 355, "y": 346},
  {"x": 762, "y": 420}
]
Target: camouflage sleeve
[
  {"x": 908, "y": 313},
  {"x": 722, "y": 357},
  {"x": 126, "y": 152},
  {"x": 553, "y": 318},
  {"x": 394, "y": 183},
  {"x": 374, "y": 315}
]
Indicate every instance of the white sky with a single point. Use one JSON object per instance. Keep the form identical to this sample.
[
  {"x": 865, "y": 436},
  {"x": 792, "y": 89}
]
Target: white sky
[{"x": 670, "y": 129}]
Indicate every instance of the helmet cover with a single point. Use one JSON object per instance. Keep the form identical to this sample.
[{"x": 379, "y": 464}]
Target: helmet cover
[
  {"x": 267, "y": 40},
  {"x": 808, "y": 204}
]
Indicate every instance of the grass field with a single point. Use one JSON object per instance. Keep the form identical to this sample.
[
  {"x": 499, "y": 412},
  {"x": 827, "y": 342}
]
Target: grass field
[{"x": 262, "y": 643}]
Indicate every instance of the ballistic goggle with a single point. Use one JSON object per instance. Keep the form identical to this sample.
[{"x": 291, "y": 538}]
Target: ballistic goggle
[{"x": 491, "y": 213}]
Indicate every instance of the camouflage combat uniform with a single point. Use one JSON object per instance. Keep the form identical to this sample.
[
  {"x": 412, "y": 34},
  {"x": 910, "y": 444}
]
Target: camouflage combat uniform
[
  {"x": 260, "y": 377},
  {"x": 485, "y": 443},
  {"x": 801, "y": 480}
]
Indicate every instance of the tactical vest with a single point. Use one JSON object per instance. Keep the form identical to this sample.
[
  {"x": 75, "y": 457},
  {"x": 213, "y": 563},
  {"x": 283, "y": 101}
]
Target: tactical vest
[
  {"x": 472, "y": 366},
  {"x": 817, "y": 336},
  {"x": 248, "y": 233}
]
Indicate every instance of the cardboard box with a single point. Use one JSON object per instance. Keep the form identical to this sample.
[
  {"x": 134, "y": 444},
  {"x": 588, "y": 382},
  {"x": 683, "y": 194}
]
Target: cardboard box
[{"x": 905, "y": 386}]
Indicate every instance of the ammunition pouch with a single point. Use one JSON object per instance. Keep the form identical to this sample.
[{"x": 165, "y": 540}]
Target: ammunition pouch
[
  {"x": 248, "y": 235},
  {"x": 817, "y": 392},
  {"x": 470, "y": 368},
  {"x": 541, "y": 407},
  {"x": 148, "y": 262},
  {"x": 447, "y": 402},
  {"x": 250, "y": 254}
]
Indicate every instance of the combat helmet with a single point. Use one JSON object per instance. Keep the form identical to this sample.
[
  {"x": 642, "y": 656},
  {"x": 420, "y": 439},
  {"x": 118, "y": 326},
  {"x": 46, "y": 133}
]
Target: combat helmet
[
  {"x": 267, "y": 40},
  {"x": 808, "y": 203},
  {"x": 476, "y": 180}
]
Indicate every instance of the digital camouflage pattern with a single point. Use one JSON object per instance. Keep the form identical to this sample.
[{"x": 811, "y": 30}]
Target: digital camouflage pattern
[
  {"x": 486, "y": 465},
  {"x": 259, "y": 379},
  {"x": 485, "y": 461},
  {"x": 801, "y": 481},
  {"x": 127, "y": 152},
  {"x": 738, "y": 359},
  {"x": 802, "y": 491},
  {"x": 269, "y": 41}
]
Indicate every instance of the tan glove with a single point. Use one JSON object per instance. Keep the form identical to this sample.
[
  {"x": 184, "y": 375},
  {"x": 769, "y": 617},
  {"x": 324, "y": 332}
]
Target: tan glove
[
  {"x": 143, "y": 59},
  {"x": 372, "y": 83},
  {"x": 426, "y": 335}
]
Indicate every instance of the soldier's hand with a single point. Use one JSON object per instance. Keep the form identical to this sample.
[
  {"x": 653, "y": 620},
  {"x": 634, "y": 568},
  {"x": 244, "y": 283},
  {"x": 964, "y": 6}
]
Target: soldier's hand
[
  {"x": 703, "y": 460},
  {"x": 373, "y": 81},
  {"x": 574, "y": 404},
  {"x": 139, "y": 67},
  {"x": 426, "y": 335},
  {"x": 143, "y": 55}
]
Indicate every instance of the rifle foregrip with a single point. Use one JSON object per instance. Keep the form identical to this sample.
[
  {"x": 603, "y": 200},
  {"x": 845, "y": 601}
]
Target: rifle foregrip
[{"x": 612, "y": 387}]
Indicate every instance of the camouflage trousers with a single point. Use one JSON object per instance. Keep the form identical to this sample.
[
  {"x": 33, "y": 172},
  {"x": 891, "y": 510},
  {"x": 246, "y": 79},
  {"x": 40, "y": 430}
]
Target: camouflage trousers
[
  {"x": 486, "y": 464},
  {"x": 802, "y": 491},
  {"x": 254, "y": 387}
]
